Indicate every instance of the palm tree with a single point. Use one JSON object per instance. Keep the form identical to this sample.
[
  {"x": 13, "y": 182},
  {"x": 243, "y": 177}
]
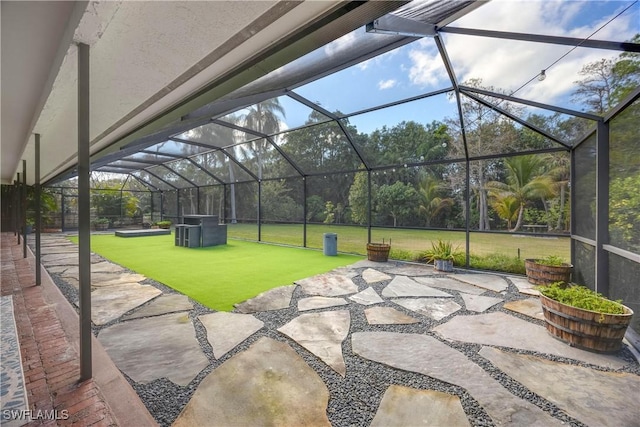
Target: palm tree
[
  {"x": 507, "y": 207},
  {"x": 559, "y": 168},
  {"x": 430, "y": 189},
  {"x": 525, "y": 181},
  {"x": 263, "y": 117}
]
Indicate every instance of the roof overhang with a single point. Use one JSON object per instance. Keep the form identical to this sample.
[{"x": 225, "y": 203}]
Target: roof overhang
[{"x": 151, "y": 64}]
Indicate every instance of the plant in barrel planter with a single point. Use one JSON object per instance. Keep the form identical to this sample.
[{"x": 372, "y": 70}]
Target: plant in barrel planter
[
  {"x": 583, "y": 318},
  {"x": 166, "y": 224},
  {"x": 547, "y": 270},
  {"x": 101, "y": 224},
  {"x": 378, "y": 252},
  {"x": 442, "y": 254}
]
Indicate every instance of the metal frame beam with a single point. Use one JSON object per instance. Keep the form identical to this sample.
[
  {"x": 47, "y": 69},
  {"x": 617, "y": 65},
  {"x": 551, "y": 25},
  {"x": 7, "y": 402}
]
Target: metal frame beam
[
  {"x": 260, "y": 135},
  {"x": 562, "y": 110},
  {"x": 161, "y": 179},
  {"x": 179, "y": 174},
  {"x": 539, "y": 38},
  {"x": 518, "y": 120},
  {"x": 222, "y": 150},
  {"x": 145, "y": 183},
  {"x": 399, "y": 26},
  {"x": 193, "y": 162}
]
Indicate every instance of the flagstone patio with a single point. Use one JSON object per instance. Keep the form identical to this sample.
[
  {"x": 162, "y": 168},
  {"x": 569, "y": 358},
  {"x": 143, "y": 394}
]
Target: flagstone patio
[{"x": 370, "y": 344}]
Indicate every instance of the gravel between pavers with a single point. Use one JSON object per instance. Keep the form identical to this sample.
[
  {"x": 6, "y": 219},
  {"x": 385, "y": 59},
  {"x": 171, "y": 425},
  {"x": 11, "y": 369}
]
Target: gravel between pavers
[{"x": 353, "y": 400}]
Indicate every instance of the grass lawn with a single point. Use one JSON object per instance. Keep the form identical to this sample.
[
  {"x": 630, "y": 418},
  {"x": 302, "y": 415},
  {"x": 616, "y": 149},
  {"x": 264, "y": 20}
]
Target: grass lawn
[
  {"x": 216, "y": 276},
  {"x": 354, "y": 239}
]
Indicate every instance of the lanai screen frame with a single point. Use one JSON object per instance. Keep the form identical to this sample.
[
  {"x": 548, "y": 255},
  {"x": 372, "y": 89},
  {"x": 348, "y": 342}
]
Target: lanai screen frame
[{"x": 260, "y": 91}]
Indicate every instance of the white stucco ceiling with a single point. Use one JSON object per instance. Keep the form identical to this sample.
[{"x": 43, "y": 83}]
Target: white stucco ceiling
[{"x": 144, "y": 57}]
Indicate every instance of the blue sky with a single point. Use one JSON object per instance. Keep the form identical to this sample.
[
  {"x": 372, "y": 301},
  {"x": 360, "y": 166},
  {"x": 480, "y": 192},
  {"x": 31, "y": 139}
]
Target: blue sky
[{"x": 505, "y": 65}]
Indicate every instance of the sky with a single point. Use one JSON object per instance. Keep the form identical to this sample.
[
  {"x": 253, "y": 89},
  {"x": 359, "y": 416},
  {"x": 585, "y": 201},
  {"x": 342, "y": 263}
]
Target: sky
[{"x": 505, "y": 65}]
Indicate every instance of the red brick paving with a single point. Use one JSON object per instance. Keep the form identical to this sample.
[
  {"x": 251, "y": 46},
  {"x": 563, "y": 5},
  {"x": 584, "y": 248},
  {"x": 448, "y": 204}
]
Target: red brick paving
[{"x": 50, "y": 363}]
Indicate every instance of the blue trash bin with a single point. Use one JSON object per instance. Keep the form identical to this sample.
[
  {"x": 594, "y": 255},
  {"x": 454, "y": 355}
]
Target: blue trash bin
[{"x": 330, "y": 246}]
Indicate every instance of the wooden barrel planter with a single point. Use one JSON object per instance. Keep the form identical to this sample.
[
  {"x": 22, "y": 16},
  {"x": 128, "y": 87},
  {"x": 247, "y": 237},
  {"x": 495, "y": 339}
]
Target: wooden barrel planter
[
  {"x": 541, "y": 274},
  {"x": 378, "y": 252},
  {"x": 585, "y": 329}
]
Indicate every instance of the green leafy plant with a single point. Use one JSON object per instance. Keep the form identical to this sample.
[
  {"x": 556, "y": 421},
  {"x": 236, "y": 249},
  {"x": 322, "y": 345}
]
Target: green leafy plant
[
  {"x": 100, "y": 221},
  {"x": 551, "y": 260},
  {"x": 164, "y": 224},
  {"x": 441, "y": 250},
  {"x": 581, "y": 297}
]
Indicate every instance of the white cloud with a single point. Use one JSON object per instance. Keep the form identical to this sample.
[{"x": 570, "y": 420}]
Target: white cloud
[
  {"x": 426, "y": 68},
  {"x": 507, "y": 64},
  {"x": 387, "y": 84}
]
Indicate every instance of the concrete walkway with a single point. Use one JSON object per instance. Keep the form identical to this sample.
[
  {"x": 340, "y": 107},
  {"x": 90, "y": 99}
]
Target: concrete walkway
[{"x": 465, "y": 343}]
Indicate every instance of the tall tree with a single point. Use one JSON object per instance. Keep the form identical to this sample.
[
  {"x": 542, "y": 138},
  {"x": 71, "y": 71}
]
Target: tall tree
[
  {"x": 397, "y": 201},
  {"x": 487, "y": 132},
  {"x": 263, "y": 117},
  {"x": 525, "y": 181},
  {"x": 606, "y": 82},
  {"x": 431, "y": 191}
]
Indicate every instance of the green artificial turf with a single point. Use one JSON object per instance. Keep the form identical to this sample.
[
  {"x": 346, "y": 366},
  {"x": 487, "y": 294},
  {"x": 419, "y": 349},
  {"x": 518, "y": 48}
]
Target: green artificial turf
[{"x": 216, "y": 276}]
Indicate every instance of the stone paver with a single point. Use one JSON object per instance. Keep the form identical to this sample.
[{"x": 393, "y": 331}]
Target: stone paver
[
  {"x": 322, "y": 334},
  {"x": 451, "y": 284},
  {"x": 273, "y": 299},
  {"x": 226, "y": 330},
  {"x": 70, "y": 259},
  {"x": 412, "y": 270},
  {"x": 346, "y": 271},
  {"x": 152, "y": 348},
  {"x": 105, "y": 279},
  {"x": 164, "y": 304},
  {"x": 100, "y": 267},
  {"x": 276, "y": 388},
  {"x": 428, "y": 356},
  {"x": 371, "y": 275},
  {"x": 109, "y": 303},
  {"x": 387, "y": 316},
  {"x": 404, "y": 406},
  {"x": 365, "y": 263},
  {"x": 403, "y": 286},
  {"x": 479, "y": 303},
  {"x": 523, "y": 285},
  {"x": 613, "y": 402},
  {"x": 529, "y": 307},
  {"x": 486, "y": 281},
  {"x": 313, "y": 303},
  {"x": 328, "y": 285},
  {"x": 434, "y": 308},
  {"x": 367, "y": 297},
  {"x": 265, "y": 392},
  {"x": 503, "y": 330},
  {"x": 110, "y": 279}
]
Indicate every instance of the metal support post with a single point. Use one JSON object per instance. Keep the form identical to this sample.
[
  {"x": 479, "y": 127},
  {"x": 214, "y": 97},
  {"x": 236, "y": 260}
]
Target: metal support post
[
  {"x": 18, "y": 213},
  {"x": 259, "y": 204},
  {"x": 602, "y": 209},
  {"x": 304, "y": 212},
  {"x": 369, "y": 217},
  {"x": 38, "y": 201},
  {"x": 24, "y": 208},
  {"x": 84, "y": 213}
]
